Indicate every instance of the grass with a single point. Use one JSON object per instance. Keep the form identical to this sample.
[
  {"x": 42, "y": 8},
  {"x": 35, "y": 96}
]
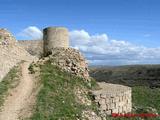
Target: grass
[
  {"x": 56, "y": 98},
  {"x": 143, "y": 97},
  {"x": 10, "y": 81}
]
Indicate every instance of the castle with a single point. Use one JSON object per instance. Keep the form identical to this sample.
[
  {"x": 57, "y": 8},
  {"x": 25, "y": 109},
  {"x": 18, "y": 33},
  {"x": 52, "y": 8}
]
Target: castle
[
  {"x": 111, "y": 98},
  {"x": 52, "y": 37}
]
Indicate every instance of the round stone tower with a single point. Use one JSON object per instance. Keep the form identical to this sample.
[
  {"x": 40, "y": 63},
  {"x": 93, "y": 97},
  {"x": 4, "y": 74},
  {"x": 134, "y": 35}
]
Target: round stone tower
[{"x": 54, "y": 37}]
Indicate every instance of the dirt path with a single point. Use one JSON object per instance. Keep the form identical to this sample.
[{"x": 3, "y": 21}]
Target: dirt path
[{"x": 19, "y": 97}]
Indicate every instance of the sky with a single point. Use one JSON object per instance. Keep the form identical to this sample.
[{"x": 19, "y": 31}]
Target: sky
[{"x": 107, "y": 32}]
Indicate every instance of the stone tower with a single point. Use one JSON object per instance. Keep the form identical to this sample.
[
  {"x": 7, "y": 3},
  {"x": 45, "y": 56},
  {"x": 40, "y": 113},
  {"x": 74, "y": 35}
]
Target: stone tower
[{"x": 54, "y": 37}]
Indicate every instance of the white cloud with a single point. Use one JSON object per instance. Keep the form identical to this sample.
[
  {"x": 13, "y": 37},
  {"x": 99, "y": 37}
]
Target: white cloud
[
  {"x": 31, "y": 32},
  {"x": 99, "y": 49},
  {"x": 79, "y": 37}
]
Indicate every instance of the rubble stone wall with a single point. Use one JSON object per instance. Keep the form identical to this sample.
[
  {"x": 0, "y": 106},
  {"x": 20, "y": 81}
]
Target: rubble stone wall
[
  {"x": 113, "y": 98},
  {"x": 70, "y": 60}
]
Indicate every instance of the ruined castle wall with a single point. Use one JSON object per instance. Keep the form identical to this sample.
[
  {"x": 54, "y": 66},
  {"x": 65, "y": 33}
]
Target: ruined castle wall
[
  {"x": 34, "y": 47},
  {"x": 55, "y": 37},
  {"x": 10, "y": 53},
  {"x": 9, "y": 57},
  {"x": 70, "y": 60},
  {"x": 113, "y": 98}
]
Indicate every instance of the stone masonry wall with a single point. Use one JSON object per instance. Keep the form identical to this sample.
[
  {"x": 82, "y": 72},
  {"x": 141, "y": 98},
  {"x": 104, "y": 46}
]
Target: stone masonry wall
[
  {"x": 34, "y": 47},
  {"x": 112, "y": 98}
]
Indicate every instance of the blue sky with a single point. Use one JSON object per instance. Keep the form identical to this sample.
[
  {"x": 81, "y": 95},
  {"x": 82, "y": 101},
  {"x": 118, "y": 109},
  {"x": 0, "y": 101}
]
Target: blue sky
[{"x": 133, "y": 21}]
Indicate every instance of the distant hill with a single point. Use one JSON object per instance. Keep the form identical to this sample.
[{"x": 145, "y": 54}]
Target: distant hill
[{"x": 131, "y": 75}]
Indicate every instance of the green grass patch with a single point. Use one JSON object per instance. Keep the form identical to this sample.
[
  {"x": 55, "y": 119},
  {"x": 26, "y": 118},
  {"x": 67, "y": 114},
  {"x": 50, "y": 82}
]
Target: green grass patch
[
  {"x": 146, "y": 97},
  {"x": 56, "y": 98},
  {"x": 10, "y": 81}
]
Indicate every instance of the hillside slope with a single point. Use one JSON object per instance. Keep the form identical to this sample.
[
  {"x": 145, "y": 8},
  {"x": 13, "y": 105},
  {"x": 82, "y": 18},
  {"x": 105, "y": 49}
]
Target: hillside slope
[
  {"x": 148, "y": 75},
  {"x": 62, "y": 95}
]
